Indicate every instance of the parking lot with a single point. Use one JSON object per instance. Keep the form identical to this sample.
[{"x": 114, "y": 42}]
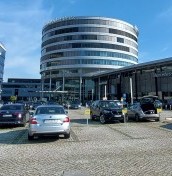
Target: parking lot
[{"x": 133, "y": 148}]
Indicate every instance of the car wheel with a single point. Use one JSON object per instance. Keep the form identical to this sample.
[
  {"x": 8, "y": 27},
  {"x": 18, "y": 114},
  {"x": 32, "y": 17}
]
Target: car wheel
[
  {"x": 67, "y": 136},
  {"x": 30, "y": 137},
  {"x": 102, "y": 119},
  {"x": 157, "y": 120},
  {"x": 92, "y": 117},
  {"x": 137, "y": 118},
  {"x": 24, "y": 124}
]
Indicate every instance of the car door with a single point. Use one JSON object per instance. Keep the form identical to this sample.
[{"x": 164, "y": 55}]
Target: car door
[
  {"x": 97, "y": 108},
  {"x": 93, "y": 108},
  {"x": 131, "y": 111}
]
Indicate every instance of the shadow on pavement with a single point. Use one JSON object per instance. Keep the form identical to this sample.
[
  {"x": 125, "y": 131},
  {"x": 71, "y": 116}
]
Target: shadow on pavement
[
  {"x": 84, "y": 121},
  {"x": 18, "y": 135},
  {"x": 167, "y": 126}
]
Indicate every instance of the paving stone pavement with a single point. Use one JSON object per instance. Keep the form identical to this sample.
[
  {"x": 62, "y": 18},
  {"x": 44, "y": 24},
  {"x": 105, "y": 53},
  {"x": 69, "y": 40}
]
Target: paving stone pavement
[{"x": 143, "y": 148}]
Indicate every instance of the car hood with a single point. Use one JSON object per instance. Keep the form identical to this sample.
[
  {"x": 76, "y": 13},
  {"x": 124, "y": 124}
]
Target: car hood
[{"x": 113, "y": 109}]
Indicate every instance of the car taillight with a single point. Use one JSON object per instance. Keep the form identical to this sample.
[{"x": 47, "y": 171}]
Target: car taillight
[
  {"x": 66, "y": 119},
  {"x": 33, "y": 120}
]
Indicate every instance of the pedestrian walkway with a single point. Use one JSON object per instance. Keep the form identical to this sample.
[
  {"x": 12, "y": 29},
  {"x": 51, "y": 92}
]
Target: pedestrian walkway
[{"x": 166, "y": 116}]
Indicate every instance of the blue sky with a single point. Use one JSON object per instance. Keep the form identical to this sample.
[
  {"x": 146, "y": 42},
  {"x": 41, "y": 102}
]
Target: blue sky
[{"x": 21, "y": 23}]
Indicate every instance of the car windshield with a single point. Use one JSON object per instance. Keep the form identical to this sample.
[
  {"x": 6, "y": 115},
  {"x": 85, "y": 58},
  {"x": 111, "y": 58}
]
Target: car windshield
[
  {"x": 11, "y": 107},
  {"x": 147, "y": 100},
  {"x": 118, "y": 103},
  {"x": 50, "y": 110},
  {"x": 109, "y": 104}
]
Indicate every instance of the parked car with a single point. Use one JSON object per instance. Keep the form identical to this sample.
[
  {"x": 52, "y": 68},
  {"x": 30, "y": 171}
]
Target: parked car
[
  {"x": 167, "y": 104},
  {"x": 35, "y": 105},
  {"x": 106, "y": 110},
  {"x": 14, "y": 114},
  {"x": 146, "y": 109},
  {"x": 74, "y": 105},
  {"x": 49, "y": 120},
  {"x": 119, "y": 103}
]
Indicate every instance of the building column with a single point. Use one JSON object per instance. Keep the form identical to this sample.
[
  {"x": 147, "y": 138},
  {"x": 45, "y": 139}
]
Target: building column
[
  {"x": 136, "y": 87},
  {"x": 42, "y": 88},
  {"x": 80, "y": 88},
  {"x": 50, "y": 87},
  {"x": 156, "y": 83},
  {"x": 99, "y": 88}
]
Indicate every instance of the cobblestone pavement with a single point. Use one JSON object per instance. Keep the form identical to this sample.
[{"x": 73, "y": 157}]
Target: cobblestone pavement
[{"x": 127, "y": 149}]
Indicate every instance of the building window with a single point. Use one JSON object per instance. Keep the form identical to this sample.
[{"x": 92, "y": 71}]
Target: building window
[{"x": 120, "y": 40}]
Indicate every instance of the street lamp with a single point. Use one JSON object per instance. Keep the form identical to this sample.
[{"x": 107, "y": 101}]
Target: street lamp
[
  {"x": 92, "y": 93},
  {"x": 80, "y": 88},
  {"x": 131, "y": 90}
]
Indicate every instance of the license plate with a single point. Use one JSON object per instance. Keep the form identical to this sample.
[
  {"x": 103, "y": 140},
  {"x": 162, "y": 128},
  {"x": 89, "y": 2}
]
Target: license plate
[
  {"x": 7, "y": 115},
  {"x": 117, "y": 115},
  {"x": 52, "y": 121}
]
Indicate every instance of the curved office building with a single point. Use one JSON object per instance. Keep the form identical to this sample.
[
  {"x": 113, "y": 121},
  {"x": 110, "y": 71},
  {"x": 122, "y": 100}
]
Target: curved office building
[{"x": 75, "y": 47}]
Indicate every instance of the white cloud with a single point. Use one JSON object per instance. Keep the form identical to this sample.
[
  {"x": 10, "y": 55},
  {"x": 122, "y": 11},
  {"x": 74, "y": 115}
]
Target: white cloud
[
  {"x": 21, "y": 34},
  {"x": 164, "y": 49},
  {"x": 166, "y": 14}
]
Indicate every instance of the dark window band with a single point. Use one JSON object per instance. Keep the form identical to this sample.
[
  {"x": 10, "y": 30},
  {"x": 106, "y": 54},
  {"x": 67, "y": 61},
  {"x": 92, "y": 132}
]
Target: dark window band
[
  {"x": 88, "y": 61},
  {"x": 87, "y": 45},
  {"x": 87, "y": 21},
  {"x": 89, "y": 53},
  {"x": 90, "y": 29}
]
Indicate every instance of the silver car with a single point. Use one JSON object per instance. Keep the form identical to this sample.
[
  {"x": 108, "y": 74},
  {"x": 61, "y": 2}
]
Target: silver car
[
  {"x": 49, "y": 120},
  {"x": 144, "y": 111}
]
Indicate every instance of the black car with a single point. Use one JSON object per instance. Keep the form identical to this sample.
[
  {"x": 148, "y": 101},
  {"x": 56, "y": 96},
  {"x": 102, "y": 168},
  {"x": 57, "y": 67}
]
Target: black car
[
  {"x": 14, "y": 114},
  {"x": 105, "y": 111}
]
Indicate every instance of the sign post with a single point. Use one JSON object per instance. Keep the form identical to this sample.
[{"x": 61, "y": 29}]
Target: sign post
[
  {"x": 124, "y": 112},
  {"x": 87, "y": 112},
  {"x": 159, "y": 110}
]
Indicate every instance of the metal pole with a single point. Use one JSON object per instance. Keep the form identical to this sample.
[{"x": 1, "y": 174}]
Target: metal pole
[
  {"x": 42, "y": 88},
  {"x": 99, "y": 89},
  {"x": 63, "y": 87},
  {"x": 80, "y": 86},
  {"x": 131, "y": 90},
  {"x": 105, "y": 92},
  {"x": 92, "y": 93},
  {"x": 50, "y": 87}
]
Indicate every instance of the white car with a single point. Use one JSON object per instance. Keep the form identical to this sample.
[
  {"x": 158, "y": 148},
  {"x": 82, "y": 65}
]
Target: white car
[{"x": 49, "y": 120}]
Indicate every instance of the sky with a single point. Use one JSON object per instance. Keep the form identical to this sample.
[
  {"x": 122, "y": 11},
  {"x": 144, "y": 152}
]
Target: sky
[{"x": 21, "y": 23}]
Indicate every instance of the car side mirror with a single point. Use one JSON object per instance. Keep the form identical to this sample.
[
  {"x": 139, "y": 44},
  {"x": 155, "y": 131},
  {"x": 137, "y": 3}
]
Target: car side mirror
[
  {"x": 66, "y": 112},
  {"x": 31, "y": 114}
]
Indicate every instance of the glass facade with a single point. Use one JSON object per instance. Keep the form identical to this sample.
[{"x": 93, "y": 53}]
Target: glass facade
[
  {"x": 2, "y": 60},
  {"x": 85, "y": 44},
  {"x": 150, "y": 79},
  {"x": 89, "y": 53}
]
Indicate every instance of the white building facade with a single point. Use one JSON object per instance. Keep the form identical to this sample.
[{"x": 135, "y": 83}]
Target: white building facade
[{"x": 2, "y": 61}]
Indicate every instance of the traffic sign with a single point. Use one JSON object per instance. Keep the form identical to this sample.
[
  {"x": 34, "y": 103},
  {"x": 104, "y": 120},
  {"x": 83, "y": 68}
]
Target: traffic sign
[
  {"x": 87, "y": 112},
  {"x": 124, "y": 110},
  {"x": 159, "y": 110}
]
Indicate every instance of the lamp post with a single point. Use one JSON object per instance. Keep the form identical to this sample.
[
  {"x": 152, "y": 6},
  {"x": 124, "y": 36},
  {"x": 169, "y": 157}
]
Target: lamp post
[
  {"x": 92, "y": 93},
  {"x": 80, "y": 86},
  {"x": 131, "y": 90},
  {"x": 105, "y": 94}
]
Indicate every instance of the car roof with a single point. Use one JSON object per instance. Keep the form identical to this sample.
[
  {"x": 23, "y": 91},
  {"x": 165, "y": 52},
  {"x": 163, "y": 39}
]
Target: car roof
[
  {"x": 107, "y": 100},
  {"x": 149, "y": 96},
  {"x": 14, "y": 104},
  {"x": 50, "y": 105}
]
